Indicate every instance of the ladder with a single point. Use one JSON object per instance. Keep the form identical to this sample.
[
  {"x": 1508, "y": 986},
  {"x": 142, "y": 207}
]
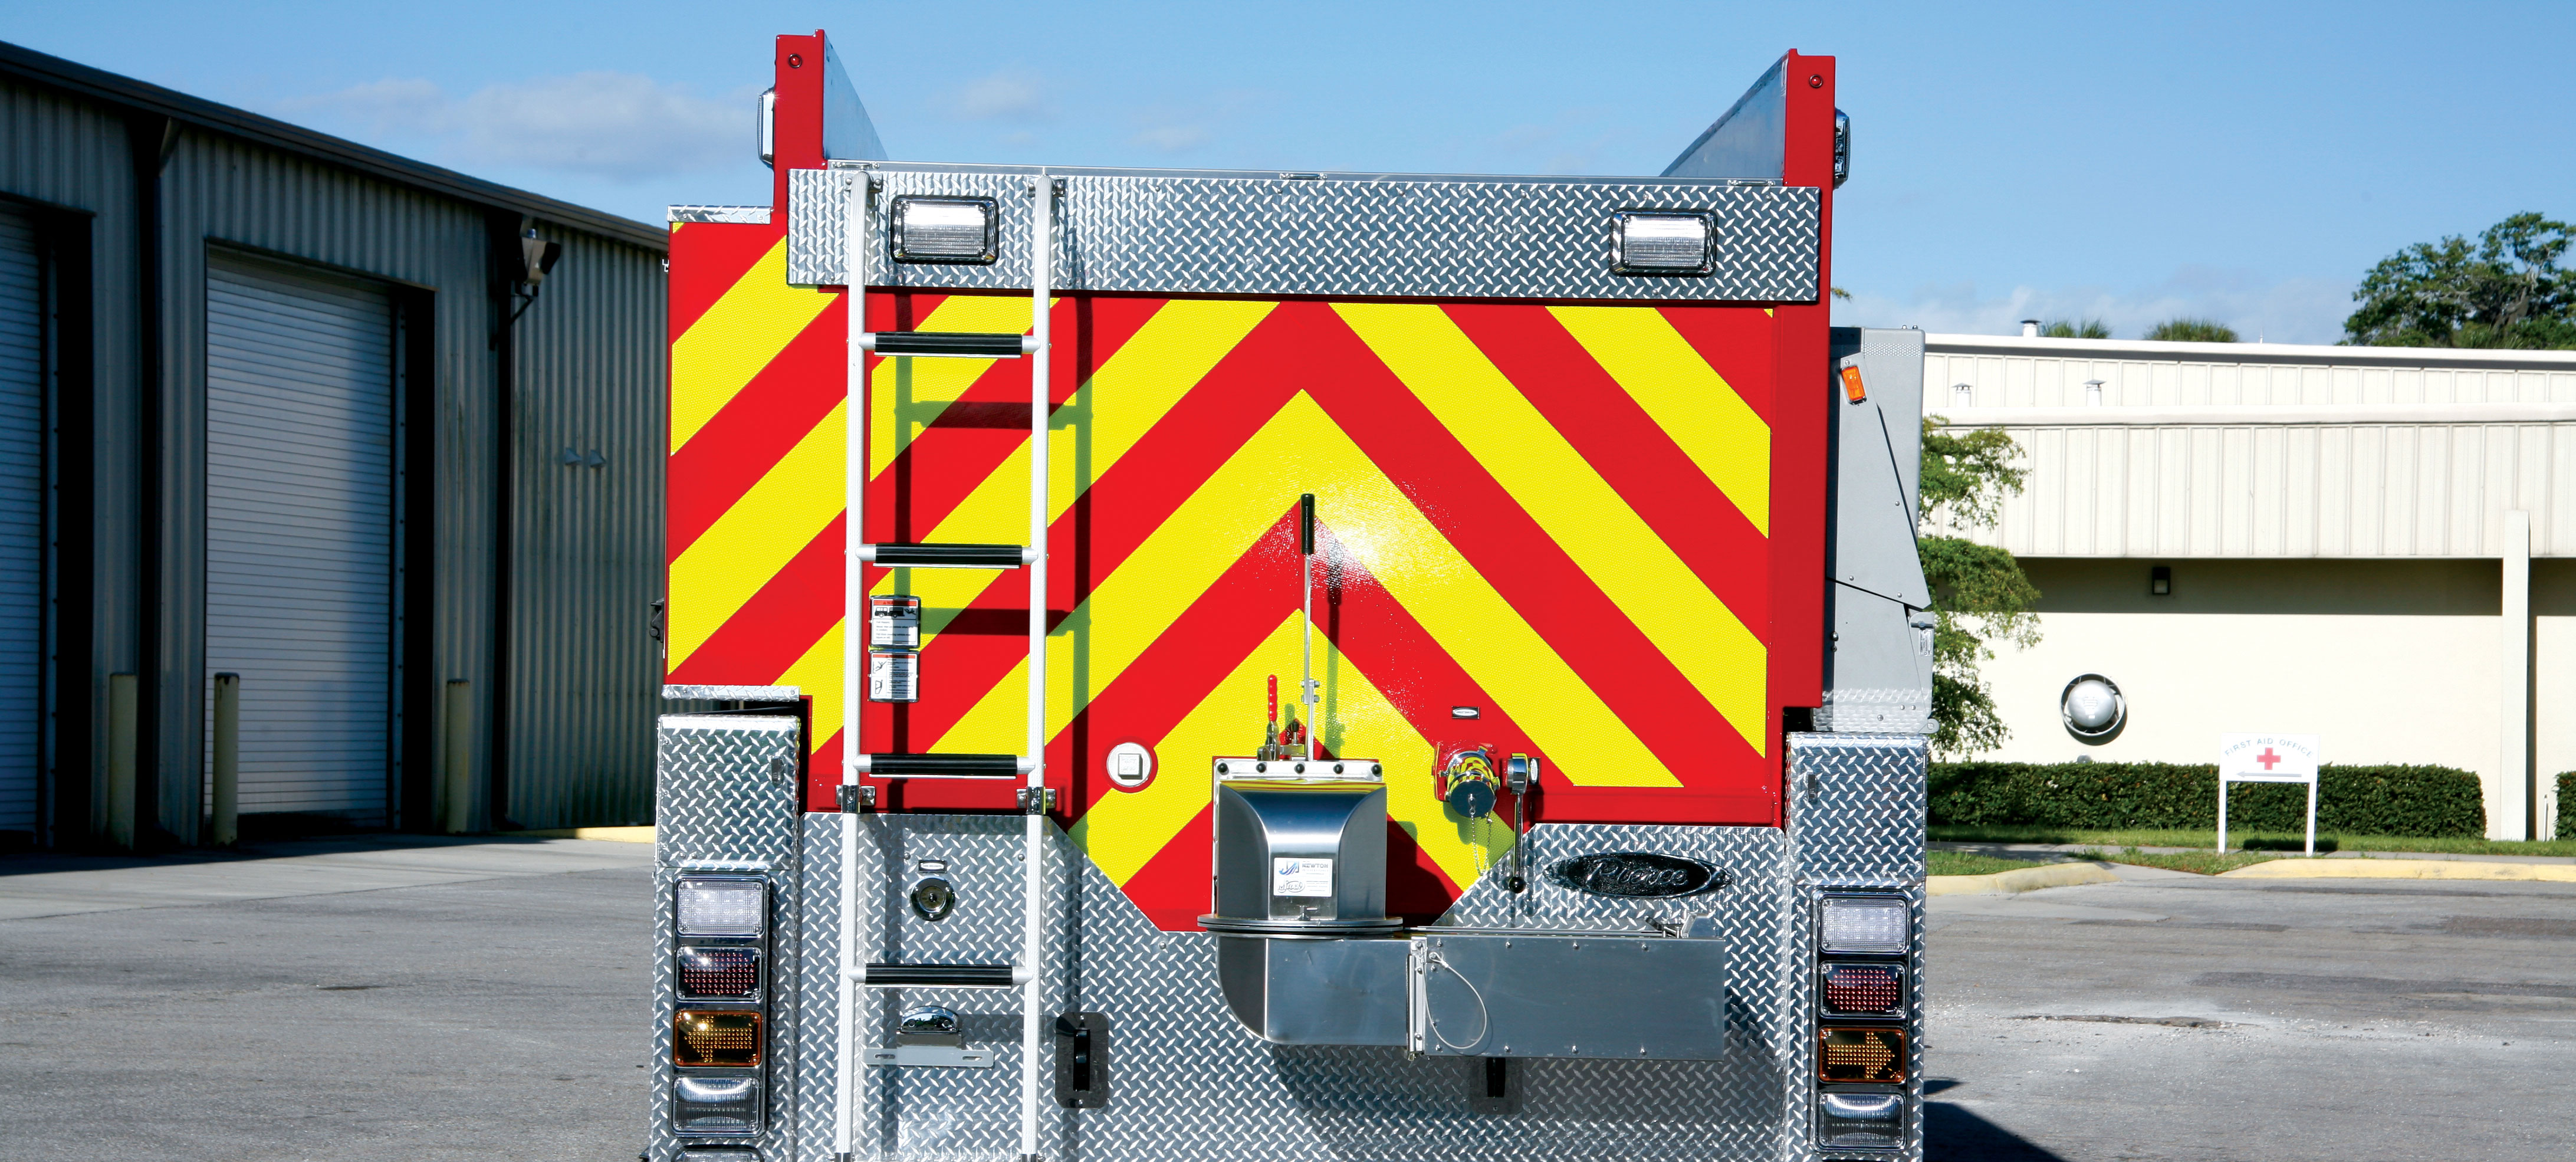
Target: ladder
[{"x": 1031, "y": 557}]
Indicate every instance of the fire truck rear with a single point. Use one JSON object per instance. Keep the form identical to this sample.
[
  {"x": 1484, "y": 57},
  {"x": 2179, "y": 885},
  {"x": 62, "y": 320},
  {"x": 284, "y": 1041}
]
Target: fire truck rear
[{"x": 1266, "y": 665}]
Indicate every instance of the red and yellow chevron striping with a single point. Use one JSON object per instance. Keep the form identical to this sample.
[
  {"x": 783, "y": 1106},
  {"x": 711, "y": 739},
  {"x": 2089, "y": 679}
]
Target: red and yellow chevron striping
[{"x": 1558, "y": 515}]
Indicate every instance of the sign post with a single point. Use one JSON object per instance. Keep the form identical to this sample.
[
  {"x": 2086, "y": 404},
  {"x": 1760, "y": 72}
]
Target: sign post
[{"x": 2268, "y": 758}]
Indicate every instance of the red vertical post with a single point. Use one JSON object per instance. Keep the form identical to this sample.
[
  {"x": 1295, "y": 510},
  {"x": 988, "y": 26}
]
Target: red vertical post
[
  {"x": 1805, "y": 390},
  {"x": 796, "y": 140}
]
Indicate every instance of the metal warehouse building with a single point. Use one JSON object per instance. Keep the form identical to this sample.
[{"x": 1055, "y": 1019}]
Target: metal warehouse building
[
  {"x": 2372, "y": 544},
  {"x": 278, "y": 405}
]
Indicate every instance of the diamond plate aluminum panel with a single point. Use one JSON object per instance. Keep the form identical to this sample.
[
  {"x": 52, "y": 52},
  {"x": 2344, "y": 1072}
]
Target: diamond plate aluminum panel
[
  {"x": 1856, "y": 816},
  {"x": 1189, "y": 1082},
  {"x": 725, "y": 788},
  {"x": 1271, "y": 234},
  {"x": 722, "y": 804},
  {"x": 744, "y": 215},
  {"x": 1876, "y": 711}
]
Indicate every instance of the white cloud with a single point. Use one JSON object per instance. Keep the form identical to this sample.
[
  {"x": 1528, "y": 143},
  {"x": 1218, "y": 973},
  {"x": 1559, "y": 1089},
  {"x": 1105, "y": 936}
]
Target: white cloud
[
  {"x": 2296, "y": 310},
  {"x": 618, "y": 126},
  {"x": 390, "y": 107},
  {"x": 1008, "y": 95},
  {"x": 1172, "y": 138}
]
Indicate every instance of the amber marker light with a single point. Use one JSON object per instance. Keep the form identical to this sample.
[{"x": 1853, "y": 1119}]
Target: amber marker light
[
  {"x": 720, "y": 1038},
  {"x": 1871, "y": 1055}
]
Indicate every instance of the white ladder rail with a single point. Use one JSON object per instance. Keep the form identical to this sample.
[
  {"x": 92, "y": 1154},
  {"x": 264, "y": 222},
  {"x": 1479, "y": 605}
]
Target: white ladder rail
[
  {"x": 854, "y": 646},
  {"x": 1041, "y": 279}
]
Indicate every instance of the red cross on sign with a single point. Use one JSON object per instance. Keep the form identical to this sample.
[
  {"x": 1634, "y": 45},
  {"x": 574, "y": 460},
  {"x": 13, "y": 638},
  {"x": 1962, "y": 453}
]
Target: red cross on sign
[{"x": 2268, "y": 759}]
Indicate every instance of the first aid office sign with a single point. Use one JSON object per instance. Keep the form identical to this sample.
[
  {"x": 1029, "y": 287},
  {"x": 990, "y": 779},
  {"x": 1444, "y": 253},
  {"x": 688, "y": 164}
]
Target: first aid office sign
[{"x": 2268, "y": 758}]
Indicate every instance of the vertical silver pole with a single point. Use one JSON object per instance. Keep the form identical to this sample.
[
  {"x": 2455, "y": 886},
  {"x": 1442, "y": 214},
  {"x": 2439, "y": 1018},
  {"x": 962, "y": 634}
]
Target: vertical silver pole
[
  {"x": 227, "y": 759},
  {"x": 1306, "y": 574},
  {"x": 1041, "y": 288},
  {"x": 2312, "y": 815},
  {"x": 2222, "y": 810},
  {"x": 854, "y": 644},
  {"x": 123, "y": 697},
  {"x": 459, "y": 723}
]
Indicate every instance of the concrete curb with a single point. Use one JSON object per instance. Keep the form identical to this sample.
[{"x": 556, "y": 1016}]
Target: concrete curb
[
  {"x": 611, "y": 834},
  {"x": 2020, "y": 879},
  {"x": 2403, "y": 869}
]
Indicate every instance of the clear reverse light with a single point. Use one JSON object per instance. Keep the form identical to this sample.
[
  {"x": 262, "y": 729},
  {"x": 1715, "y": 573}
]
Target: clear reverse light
[
  {"x": 722, "y": 907},
  {"x": 1861, "y": 1121},
  {"x": 947, "y": 230},
  {"x": 1669, "y": 242},
  {"x": 716, "y": 1106},
  {"x": 1865, "y": 924}
]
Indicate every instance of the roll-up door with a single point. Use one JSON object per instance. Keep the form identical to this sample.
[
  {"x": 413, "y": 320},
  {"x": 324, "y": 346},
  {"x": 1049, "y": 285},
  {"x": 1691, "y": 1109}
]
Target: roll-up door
[
  {"x": 22, "y": 519},
  {"x": 299, "y": 533}
]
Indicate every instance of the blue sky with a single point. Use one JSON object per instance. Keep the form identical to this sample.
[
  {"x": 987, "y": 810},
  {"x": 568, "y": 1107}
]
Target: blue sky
[{"x": 2242, "y": 161}]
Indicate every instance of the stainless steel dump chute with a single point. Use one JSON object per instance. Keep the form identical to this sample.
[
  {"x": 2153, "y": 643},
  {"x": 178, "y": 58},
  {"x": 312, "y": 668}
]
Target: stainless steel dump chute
[{"x": 1300, "y": 848}]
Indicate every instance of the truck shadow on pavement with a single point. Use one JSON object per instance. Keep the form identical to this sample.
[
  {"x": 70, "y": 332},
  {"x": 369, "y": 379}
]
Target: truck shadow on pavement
[{"x": 1952, "y": 1134}]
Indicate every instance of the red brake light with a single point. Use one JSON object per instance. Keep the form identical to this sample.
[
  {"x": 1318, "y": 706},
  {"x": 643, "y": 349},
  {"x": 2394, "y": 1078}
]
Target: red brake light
[
  {"x": 726, "y": 973},
  {"x": 1864, "y": 990}
]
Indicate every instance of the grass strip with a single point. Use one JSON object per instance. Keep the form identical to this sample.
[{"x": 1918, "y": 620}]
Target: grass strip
[
  {"x": 2206, "y": 863},
  {"x": 2250, "y": 841},
  {"x": 1964, "y": 863}
]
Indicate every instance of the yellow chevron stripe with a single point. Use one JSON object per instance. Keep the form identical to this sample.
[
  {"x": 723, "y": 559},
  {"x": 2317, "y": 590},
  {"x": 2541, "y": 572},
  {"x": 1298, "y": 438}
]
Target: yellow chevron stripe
[
  {"x": 817, "y": 675},
  {"x": 1685, "y": 396},
  {"x": 1299, "y": 450},
  {"x": 1124, "y": 398},
  {"x": 719, "y": 354},
  {"x": 906, "y": 395},
  {"x": 1124, "y": 831},
  {"x": 1579, "y": 510},
  {"x": 794, "y": 501}
]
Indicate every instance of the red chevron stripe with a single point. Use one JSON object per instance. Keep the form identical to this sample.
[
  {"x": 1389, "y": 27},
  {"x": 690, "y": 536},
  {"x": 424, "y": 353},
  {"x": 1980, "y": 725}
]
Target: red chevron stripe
[
  {"x": 1738, "y": 343},
  {"x": 1517, "y": 557},
  {"x": 754, "y": 430},
  {"x": 707, "y": 259},
  {"x": 1631, "y": 452},
  {"x": 1122, "y": 508},
  {"x": 789, "y": 613},
  {"x": 990, "y": 420}
]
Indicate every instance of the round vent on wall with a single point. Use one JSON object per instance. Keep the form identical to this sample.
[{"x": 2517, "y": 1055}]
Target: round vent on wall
[{"x": 2093, "y": 708}]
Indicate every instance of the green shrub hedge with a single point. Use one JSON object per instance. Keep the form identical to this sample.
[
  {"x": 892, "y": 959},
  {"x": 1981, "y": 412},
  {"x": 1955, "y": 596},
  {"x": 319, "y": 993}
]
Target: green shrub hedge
[
  {"x": 2352, "y": 800},
  {"x": 2566, "y": 806}
]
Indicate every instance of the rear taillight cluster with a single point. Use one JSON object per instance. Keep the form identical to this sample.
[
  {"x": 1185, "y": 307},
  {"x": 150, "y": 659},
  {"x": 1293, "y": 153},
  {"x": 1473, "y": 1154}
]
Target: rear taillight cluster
[
  {"x": 1863, "y": 997},
  {"x": 719, "y": 1030}
]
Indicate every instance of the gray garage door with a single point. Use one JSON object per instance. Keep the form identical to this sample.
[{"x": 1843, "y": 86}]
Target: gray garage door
[
  {"x": 299, "y": 533},
  {"x": 22, "y": 518}
]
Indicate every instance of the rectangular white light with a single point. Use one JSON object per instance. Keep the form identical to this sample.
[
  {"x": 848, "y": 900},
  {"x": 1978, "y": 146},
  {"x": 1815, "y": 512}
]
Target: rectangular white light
[
  {"x": 719, "y": 1106},
  {"x": 1666, "y": 242},
  {"x": 721, "y": 907},
  {"x": 946, "y": 230},
  {"x": 1865, "y": 924}
]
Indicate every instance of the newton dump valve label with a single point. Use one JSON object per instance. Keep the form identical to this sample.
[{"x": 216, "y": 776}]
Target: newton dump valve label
[{"x": 1290, "y": 876}]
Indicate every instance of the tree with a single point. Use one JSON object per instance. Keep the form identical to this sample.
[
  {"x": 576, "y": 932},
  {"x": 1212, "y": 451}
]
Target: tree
[
  {"x": 1980, "y": 596},
  {"x": 2080, "y": 329},
  {"x": 2192, "y": 331},
  {"x": 2506, "y": 290}
]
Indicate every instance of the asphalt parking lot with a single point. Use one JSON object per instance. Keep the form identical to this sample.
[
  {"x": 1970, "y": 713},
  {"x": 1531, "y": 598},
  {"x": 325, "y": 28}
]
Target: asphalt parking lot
[{"x": 358, "y": 1000}]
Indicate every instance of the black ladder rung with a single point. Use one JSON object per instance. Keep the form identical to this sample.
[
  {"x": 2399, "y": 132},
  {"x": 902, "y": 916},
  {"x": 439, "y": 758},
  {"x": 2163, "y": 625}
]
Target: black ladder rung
[
  {"x": 961, "y": 344},
  {"x": 947, "y": 556},
  {"x": 943, "y": 766},
  {"x": 940, "y": 975}
]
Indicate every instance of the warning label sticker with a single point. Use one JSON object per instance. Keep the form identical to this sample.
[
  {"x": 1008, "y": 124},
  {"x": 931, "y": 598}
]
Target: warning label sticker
[{"x": 1290, "y": 876}]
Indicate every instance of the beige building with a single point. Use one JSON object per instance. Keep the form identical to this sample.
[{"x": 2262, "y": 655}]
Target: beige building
[{"x": 2375, "y": 545}]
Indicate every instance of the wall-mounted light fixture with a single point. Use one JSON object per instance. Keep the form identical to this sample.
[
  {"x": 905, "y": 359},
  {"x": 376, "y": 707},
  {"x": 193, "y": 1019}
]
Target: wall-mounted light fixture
[
  {"x": 1963, "y": 396},
  {"x": 2160, "y": 581},
  {"x": 2093, "y": 709},
  {"x": 2092, "y": 393}
]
